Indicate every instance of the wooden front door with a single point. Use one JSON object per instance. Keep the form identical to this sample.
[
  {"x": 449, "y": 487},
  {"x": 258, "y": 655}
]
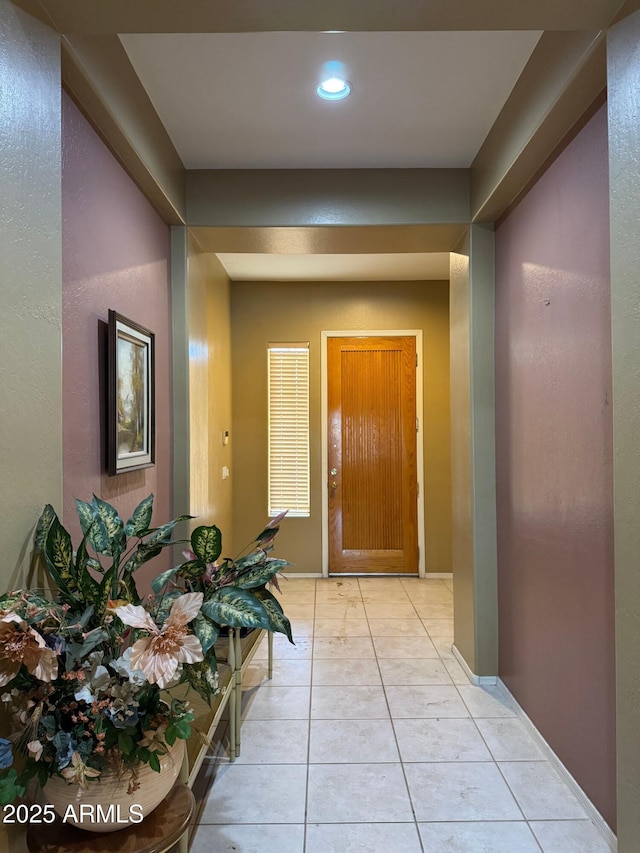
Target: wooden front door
[{"x": 373, "y": 525}]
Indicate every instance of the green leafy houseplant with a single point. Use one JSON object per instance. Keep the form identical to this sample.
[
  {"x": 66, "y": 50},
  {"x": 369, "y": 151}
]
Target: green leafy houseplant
[{"x": 86, "y": 674}]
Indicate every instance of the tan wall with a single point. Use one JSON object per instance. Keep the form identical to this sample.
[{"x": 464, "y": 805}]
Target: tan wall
[
  {"x": 30, "y": 282},
  {"x": 624, "y": 176},
  {"x": 473, "y": 451},
  {"x": 289, "y": 311},
  {"x": 31, "y": 289},
  {"x": 462, "y": 509},
  {"x": 270, "y": 198},
  {"x": 209, "y": 390}
]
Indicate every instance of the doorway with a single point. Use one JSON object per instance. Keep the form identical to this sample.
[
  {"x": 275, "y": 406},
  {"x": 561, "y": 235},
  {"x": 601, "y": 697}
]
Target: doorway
[{"x": 372, "y": 453}]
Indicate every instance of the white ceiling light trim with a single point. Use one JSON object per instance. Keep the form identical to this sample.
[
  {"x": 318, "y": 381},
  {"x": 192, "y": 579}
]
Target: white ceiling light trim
[{"x": 334, "y": 89}]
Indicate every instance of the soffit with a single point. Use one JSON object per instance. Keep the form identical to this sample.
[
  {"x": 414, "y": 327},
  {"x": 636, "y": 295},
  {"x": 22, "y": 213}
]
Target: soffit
[
  {"x": 367, "y": 240},
  {"x": 412, "y": 266},
  {"x": 104, "y": 19},
  {"x": 192, "y": 16}
]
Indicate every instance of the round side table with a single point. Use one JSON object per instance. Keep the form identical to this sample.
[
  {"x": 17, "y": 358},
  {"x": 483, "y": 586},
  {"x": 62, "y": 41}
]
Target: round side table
[{"x": 157, "y": 833}]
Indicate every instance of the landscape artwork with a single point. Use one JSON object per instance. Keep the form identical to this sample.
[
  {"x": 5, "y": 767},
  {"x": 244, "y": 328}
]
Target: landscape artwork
[{"x": 131, "y": 399}]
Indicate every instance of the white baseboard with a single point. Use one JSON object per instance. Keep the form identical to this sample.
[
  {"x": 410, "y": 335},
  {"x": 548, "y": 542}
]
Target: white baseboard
[
  {"x": 593, "y": 813},
  {"x": 478, "y": 680},
  {"x": 292, "y": 575},
  {"x": 429, "y": 576}
]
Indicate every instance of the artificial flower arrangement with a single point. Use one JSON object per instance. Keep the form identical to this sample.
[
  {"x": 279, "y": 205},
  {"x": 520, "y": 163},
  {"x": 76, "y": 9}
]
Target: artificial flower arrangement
[{"x": 86, "y": 675}]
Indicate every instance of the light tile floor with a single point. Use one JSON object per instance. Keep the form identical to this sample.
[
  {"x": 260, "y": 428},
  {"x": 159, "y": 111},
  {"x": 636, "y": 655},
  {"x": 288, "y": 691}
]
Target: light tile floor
[{"x": 371, "y": 738}]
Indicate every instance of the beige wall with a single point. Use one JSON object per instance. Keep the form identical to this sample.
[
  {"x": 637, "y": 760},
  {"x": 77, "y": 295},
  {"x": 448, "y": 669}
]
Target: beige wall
[
  {"x": 300, "y": 311},
  {"x": 462, "y": 509},
  {"x": 31, "y": 283},
  {"x": 624, "y": 176},
  {"x": 209, "y": 390},
  {"x": 473, "y": 451},
  {"x": 310, "y": 197},
  {"x": 31, "y": 291}
]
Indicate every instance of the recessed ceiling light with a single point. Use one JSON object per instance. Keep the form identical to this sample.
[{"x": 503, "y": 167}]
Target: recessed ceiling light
[{"x": 334, "y": 89}]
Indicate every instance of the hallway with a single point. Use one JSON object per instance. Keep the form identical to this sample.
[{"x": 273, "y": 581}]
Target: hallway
[{"x": 371, "y": 738}]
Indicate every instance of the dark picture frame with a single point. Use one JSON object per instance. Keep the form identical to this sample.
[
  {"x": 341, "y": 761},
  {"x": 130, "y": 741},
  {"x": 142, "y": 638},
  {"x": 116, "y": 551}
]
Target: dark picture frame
[{"x": 131, "y": 395}]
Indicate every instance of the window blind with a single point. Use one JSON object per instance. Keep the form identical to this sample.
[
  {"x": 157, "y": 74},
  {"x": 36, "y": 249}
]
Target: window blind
[{"x": 289, "y": 429}]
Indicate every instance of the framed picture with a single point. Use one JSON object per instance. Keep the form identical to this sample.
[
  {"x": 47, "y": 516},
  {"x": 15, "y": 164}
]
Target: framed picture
[{"x": 131, "y": 408}]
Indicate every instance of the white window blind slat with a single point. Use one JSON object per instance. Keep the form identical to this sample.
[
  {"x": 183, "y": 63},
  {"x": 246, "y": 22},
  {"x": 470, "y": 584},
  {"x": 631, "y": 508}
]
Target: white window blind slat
[{"x": 289, "y": 429}]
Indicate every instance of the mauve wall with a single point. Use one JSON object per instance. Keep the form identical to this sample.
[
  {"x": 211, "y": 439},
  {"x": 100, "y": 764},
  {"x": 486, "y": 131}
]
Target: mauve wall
[
  {"x": 554, "y": 462},
  {"x": 115, "y": 253}
]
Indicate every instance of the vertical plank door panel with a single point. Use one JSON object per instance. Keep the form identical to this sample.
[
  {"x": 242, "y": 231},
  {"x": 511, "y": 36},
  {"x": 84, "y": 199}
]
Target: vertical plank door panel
[{"x": 372, "y": 449}]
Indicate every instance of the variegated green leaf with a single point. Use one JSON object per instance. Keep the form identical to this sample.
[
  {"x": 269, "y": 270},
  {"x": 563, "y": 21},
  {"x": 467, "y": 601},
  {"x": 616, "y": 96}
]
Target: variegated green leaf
[
  {"x": 226, "y": 568},
  {"x": 281, "y": 564},
  {"x": 42, "y": 528},
  {"x": 202, "y": 677},
  {"x": 141, "y": 518},
  {"x": 192, "y": 569},
  {"x": 88, "y": 585},
  {"x": 107, "y": 590},
  {"x": 260, "y": 575},
  {"x": 113, "y": 523},
  {"x": 158, "y": 583},
  {"x": 207, "y": 543},
  {"x": 98, "y": 536},
  {"x": 94, "y": 526},
  {"x": 78, "y": 651},
  {"x": 38, "y": 598},
  {"x": 128, "y": 589},
  {"x": 279, "y": 621},
  {"x": 86, "y": 514},
  {"x": 96, "y": 532},
  {"x": 237, "y": 608},
  {"x": 9, "y": 599},
  {"x": 90, "y": 588},
  {"x": 143, "y": 553},
  {"x": 267, "y": 534},
  {"x": 251, "y": 559},
  {"x": 59, "y": 556},
  {"x": 83, "y": 621},
  {"x": 92, "y": 563},
  {"x": 172, "y": 523},
  {"x": 165, "y": 605},
  {"x": 161, "y": 535},
  {"x": 82, "y": 555},
  {"x": 206, "y": 631}
]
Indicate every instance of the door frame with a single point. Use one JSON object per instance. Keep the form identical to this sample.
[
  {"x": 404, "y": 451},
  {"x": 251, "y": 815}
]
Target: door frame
[{"x": 324, "y": 390}]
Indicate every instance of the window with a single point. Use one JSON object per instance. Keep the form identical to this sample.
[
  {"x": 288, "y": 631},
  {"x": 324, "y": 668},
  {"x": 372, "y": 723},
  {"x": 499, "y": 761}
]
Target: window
[{"x": 289, "y": 429}]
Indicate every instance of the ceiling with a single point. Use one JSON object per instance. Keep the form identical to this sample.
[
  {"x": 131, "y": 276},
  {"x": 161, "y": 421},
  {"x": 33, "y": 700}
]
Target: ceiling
[
  {"x": 496, "y": 89},
  {"x": 408, "y": 266},
  {"x": 248, "y": 100}
]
